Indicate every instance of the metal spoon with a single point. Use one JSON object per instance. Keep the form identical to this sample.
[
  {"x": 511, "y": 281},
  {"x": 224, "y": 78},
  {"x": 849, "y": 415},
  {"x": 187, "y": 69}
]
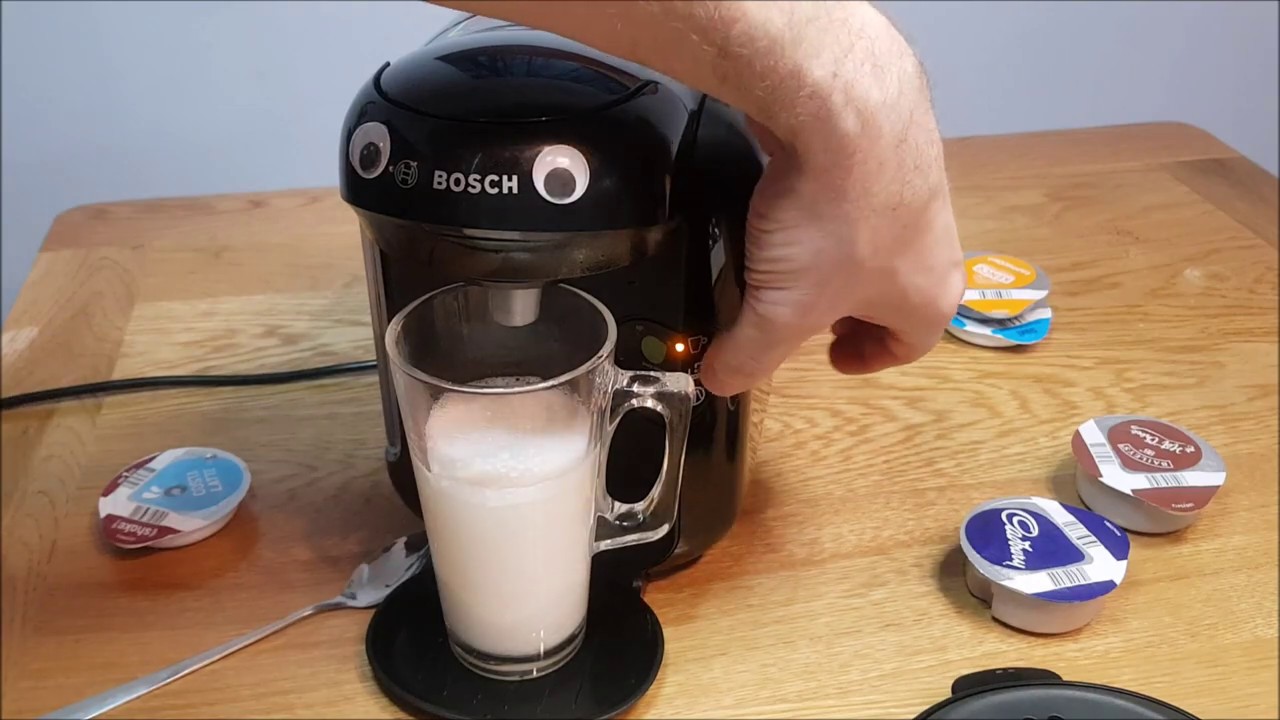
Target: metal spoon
[{"x": 369, "y": 585}]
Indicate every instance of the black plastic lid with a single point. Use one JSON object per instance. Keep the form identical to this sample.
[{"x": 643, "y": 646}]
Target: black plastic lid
[
  {"x": 1035, "y": 694},
  {"x": 507, "y": 73},
  {"x": 508, "y": 130},
  {"x": 409, "y": 655}
]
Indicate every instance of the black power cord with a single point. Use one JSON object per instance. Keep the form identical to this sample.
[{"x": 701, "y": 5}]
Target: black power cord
[{"x": 178, "y": 381}]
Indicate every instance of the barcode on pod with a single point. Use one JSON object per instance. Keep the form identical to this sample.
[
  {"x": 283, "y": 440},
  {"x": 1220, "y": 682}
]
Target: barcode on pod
[
  {"x": 993, "y": 294},
  {"x": 137, "y": 477},
  {"x": 148, "y": 514},
  {"x": 1069, "y": 577},
  {"x": 1168, "y": 480},
  {"x": 1007, "y": 322},
  {"x": 1102, "y": 453},
  {"x": 1080, "y": 534}
]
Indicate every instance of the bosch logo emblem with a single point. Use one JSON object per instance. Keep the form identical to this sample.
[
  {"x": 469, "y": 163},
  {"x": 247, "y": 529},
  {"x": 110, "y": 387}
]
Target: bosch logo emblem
[{"x": 406, "y": 173}]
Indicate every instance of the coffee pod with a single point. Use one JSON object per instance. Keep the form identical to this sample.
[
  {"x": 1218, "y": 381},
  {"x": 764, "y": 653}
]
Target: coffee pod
[
  {"x": 1042, "y": 566},
  {"x": 173, "y": 498},
  {"x": 1144, "y": 474},
  {"x": 998, "y": 287},
  {"x": 1028, "y": 328}
]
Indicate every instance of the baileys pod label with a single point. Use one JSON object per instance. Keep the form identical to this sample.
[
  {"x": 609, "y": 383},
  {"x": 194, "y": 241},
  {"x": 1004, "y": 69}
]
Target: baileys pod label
[
  {"x": 1045, "y": 549},
  {"x": 1160, "y": 463},
  {"x": 1001, "y": 286}
]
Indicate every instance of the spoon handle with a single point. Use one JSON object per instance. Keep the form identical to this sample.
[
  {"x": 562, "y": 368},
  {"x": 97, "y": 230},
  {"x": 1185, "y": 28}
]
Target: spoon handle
[{"x": 98, "y": 704}]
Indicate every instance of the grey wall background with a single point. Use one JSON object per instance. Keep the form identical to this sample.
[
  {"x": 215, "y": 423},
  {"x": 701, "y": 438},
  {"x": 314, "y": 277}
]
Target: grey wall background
[{"x": 118, "y": 100}]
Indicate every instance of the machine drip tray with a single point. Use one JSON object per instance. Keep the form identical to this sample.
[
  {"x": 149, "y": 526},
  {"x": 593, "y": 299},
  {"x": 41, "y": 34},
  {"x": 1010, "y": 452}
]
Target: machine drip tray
[{"x": 411, "y": 660}]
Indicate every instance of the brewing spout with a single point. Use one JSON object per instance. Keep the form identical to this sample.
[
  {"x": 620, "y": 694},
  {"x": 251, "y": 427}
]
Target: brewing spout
[{"x": 514, "y": 307}]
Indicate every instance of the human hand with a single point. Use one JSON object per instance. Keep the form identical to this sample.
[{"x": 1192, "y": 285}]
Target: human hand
[
  {"x": 855, "y": 234},
  {"x": 851, "y": 226}
]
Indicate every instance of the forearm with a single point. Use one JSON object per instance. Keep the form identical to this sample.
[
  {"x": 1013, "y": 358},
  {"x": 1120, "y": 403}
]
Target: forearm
[{"x": 825, "y": 77}]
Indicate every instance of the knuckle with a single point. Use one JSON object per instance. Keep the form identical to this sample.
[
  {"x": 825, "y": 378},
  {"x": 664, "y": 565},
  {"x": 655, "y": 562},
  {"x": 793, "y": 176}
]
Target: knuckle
[{"x": 780, "y": 311}]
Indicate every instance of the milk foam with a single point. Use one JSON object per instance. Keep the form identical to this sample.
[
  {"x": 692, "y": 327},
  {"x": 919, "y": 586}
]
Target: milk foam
[{"x": 508, "y": 501}]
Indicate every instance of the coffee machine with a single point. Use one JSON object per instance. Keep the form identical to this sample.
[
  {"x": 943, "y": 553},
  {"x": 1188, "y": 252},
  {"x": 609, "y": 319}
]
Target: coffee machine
[{"x": 508, "y": 157}]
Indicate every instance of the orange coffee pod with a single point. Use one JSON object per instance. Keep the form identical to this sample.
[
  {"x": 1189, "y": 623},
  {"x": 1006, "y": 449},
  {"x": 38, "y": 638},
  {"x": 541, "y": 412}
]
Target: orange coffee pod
[{"x": 998, "y": 287}]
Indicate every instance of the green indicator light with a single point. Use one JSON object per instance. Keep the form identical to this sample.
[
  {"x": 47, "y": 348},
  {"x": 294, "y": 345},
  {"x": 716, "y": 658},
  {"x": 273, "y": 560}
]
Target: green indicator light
[{"x": 653, "y": 349}]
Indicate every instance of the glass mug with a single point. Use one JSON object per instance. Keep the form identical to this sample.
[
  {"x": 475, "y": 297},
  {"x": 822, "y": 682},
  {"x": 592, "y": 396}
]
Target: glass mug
[{"x": 508, "y": 429}]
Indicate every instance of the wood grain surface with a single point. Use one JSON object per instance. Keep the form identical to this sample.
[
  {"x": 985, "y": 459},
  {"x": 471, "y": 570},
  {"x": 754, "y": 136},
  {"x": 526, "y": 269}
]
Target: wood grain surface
[{"x": 839, "y": 591}]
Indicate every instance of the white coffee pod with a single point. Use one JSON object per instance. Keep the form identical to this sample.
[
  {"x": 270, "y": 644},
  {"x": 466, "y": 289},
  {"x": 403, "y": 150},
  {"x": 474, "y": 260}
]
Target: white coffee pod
[
  {"x": 1028, "y": 328},
  {"x": 1144, "y": 474},
  {"x": 1042, "y": 566},
  {"x": 1000, "y": 286},
  {"x": 173, "y": 499}
]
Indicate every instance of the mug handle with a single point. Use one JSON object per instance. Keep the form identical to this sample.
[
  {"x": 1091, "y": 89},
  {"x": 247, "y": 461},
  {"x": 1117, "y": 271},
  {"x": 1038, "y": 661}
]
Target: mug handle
[{"x": 671, "y": 395}]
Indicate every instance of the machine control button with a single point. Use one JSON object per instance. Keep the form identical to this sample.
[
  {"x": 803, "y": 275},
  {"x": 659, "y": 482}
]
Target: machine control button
[
  {"x": 645, "y": 344},
  {"x": 653, "y": 349}
]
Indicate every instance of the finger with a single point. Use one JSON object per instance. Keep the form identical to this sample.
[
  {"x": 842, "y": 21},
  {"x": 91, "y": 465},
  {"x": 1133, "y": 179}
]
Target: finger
[
  {"x": 763, "y": 337},
  {"x": 861, "y": 348},
  {"x": 768, "y": 141},
  {"x": 845, "y": 325}
]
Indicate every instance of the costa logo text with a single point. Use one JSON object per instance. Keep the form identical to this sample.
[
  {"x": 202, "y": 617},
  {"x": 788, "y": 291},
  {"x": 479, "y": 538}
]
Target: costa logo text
[
  {"x": 1008, "y": 266},
  {"x": 993, "y": 274}
]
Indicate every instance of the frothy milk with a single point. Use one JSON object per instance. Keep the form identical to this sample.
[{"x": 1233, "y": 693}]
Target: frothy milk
[{"x": 508, "y": 500}]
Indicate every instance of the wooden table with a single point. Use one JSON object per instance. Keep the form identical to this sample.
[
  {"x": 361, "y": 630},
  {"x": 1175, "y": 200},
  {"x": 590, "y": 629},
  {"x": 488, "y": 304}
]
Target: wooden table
[{"x": 838, "y": 594}]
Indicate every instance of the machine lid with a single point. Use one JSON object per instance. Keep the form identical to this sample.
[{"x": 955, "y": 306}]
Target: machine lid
[
  {"x": 409, "y": 654},
  {"x": 1021, "y": 693},
  {"x": 485, "y": 71}
]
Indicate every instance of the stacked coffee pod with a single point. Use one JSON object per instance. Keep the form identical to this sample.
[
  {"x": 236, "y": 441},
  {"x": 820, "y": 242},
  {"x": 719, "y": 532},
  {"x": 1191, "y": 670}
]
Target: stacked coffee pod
[
  {"x": 1045, "y": 566},
  {"x": 1005, "y": 303}
]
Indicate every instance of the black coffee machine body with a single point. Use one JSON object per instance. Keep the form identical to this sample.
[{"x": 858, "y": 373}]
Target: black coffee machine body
[{"x": 501, "y": 155}]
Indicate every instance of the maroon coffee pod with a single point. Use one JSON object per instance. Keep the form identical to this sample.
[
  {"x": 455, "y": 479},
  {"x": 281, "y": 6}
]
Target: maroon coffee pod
[{"x": 1144, "y": 474}]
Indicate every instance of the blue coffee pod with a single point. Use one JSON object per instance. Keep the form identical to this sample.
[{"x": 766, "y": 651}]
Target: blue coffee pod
[
  {"x": 1041, "y": 565},
  {"x": 173, "y": 498},
  {"x": 1027, "y": 329}
]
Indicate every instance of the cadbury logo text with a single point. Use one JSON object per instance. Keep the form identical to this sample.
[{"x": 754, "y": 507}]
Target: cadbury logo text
[{"x": 1018, "y": 525}]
